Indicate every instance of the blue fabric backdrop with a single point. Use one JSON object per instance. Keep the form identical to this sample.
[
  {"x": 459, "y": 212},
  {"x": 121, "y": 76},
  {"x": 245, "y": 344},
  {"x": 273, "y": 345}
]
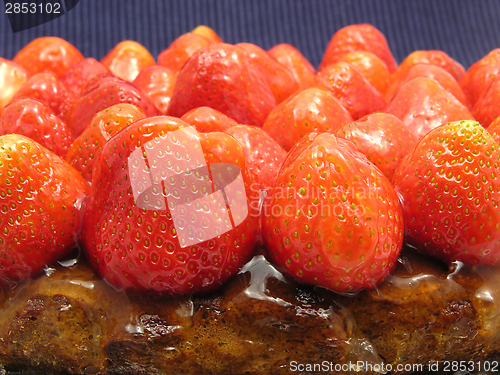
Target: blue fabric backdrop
[{"x": 465, "y": 29}]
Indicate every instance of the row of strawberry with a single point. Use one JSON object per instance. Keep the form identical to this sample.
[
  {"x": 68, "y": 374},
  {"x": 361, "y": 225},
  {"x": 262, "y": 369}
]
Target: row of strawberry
[{"x": 331, "y": 216}]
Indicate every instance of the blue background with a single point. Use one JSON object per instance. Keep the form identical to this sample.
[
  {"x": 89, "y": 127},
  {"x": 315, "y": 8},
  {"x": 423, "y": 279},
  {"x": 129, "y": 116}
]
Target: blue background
[{"x": 465, "y": 29}]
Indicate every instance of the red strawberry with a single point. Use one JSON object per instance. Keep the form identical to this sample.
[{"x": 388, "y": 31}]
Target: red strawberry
[
  {"x": 383, "y": 138},
  {"x": 157, "y": 216},
  {"x": 435, "y": 72},
  {"x": 479, "y": 76},
  {"x": 433, "y": 57},
  {"x": 206, "y": 120},
  {"x": 361, "y": 37},
  {"x": 371, "y": 66},
  {"x": 486, "y": 108},
  {"x": 351, "y": 88},
  {"x": 292, "y": 59},
  {"x": 494, "y": 129},
  {"x": 102, "y": 92},
  {"x": 12, "y": 77},
  {"x": 218, "y": 76},
  {"x": 263, "y": 155},
  {"x": 105, "y": 124},
  {"x": 181, "y": 50},
  {"x": 332, "y": 219},
  {"x": 48, "y": 54},
  {"x": 281, "y": 81},
  {"x": 422, "y": 104},
  {"x": 127, "y": 59},
  {"x": 157, "y": 82},
  {"x": 45, "y": 88},
  {"x": 450, "y": 189},
  {"x": 37, "y": 121},
  {"x": 79, "y": 75},
  {"x": 207, "y": 33},
  {"x": 40, "y": 199},
  {"x": 311, "y": 110}
]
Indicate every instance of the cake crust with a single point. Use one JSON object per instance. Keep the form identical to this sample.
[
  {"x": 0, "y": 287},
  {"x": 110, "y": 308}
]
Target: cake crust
[{"x": 68, "y": 321}]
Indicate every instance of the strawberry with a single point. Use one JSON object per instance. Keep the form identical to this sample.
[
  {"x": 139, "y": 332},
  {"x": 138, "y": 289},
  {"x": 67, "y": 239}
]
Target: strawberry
[
  {"x": 105, "y": 124},
  {"x": 351, "y": 88},
  {"x": 127, "y": 59},
  {"x": 479, "y": 76},
  {"x": 360, "y": 37},
  {"x": 102, "y": 92},
  {"x": 435, "y": 72},
  {"x": 371, "y": 66},
  {"x": 40, "y": 199},
  {"x": 383, "y": 138},
  {"x": 12, "y": 77},
  {"x": 157, "y": 82},
  {"x": 48, "y": 54},
  {"x": 292, "y": 59},
  {"x": 494, "y": 129},
  {"x": 310, "y": 110},
  {"x": 422, "y": 104},
  {"x": 208, "y": 33},
  {"x": 281, "y": 81},
  {"x": 433, "y": 57},
  {"x": 263, "y": 155},
  {"x": 485, "y": 110},
  {"x": 181, "y": 50},
  {"x": 218, "y": 76},
  {"x": 78, "y": 76},
  {"x": 37, "y": 121},
  {"x": 206, "y": 120},
  {"x": 157, "y": 216},
  {"x": 45, "y": 88},
  {"x": 332, "y": 218},
  {"x": 450, "y": 189}
]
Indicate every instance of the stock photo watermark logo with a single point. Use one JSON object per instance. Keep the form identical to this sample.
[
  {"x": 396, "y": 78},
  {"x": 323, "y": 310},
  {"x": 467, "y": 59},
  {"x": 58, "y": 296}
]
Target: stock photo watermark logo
[
  {"x": 313, "y": 201},
  {"x": 26, "y": 14},
  {"x": 205, "y": 200}
]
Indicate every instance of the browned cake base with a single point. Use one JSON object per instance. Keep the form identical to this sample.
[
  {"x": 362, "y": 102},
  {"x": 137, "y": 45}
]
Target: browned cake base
[{"x": 259, "y": 323}]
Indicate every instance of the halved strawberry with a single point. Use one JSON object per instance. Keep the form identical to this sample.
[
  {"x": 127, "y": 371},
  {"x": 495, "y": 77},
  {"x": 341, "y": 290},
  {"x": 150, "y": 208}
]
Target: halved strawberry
[
  {"x": 169, "y": 209},
  {"x": 450, "y": 190},
  {"x": 332, "y": 218},
  {"x": 40, "y": 200}
]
